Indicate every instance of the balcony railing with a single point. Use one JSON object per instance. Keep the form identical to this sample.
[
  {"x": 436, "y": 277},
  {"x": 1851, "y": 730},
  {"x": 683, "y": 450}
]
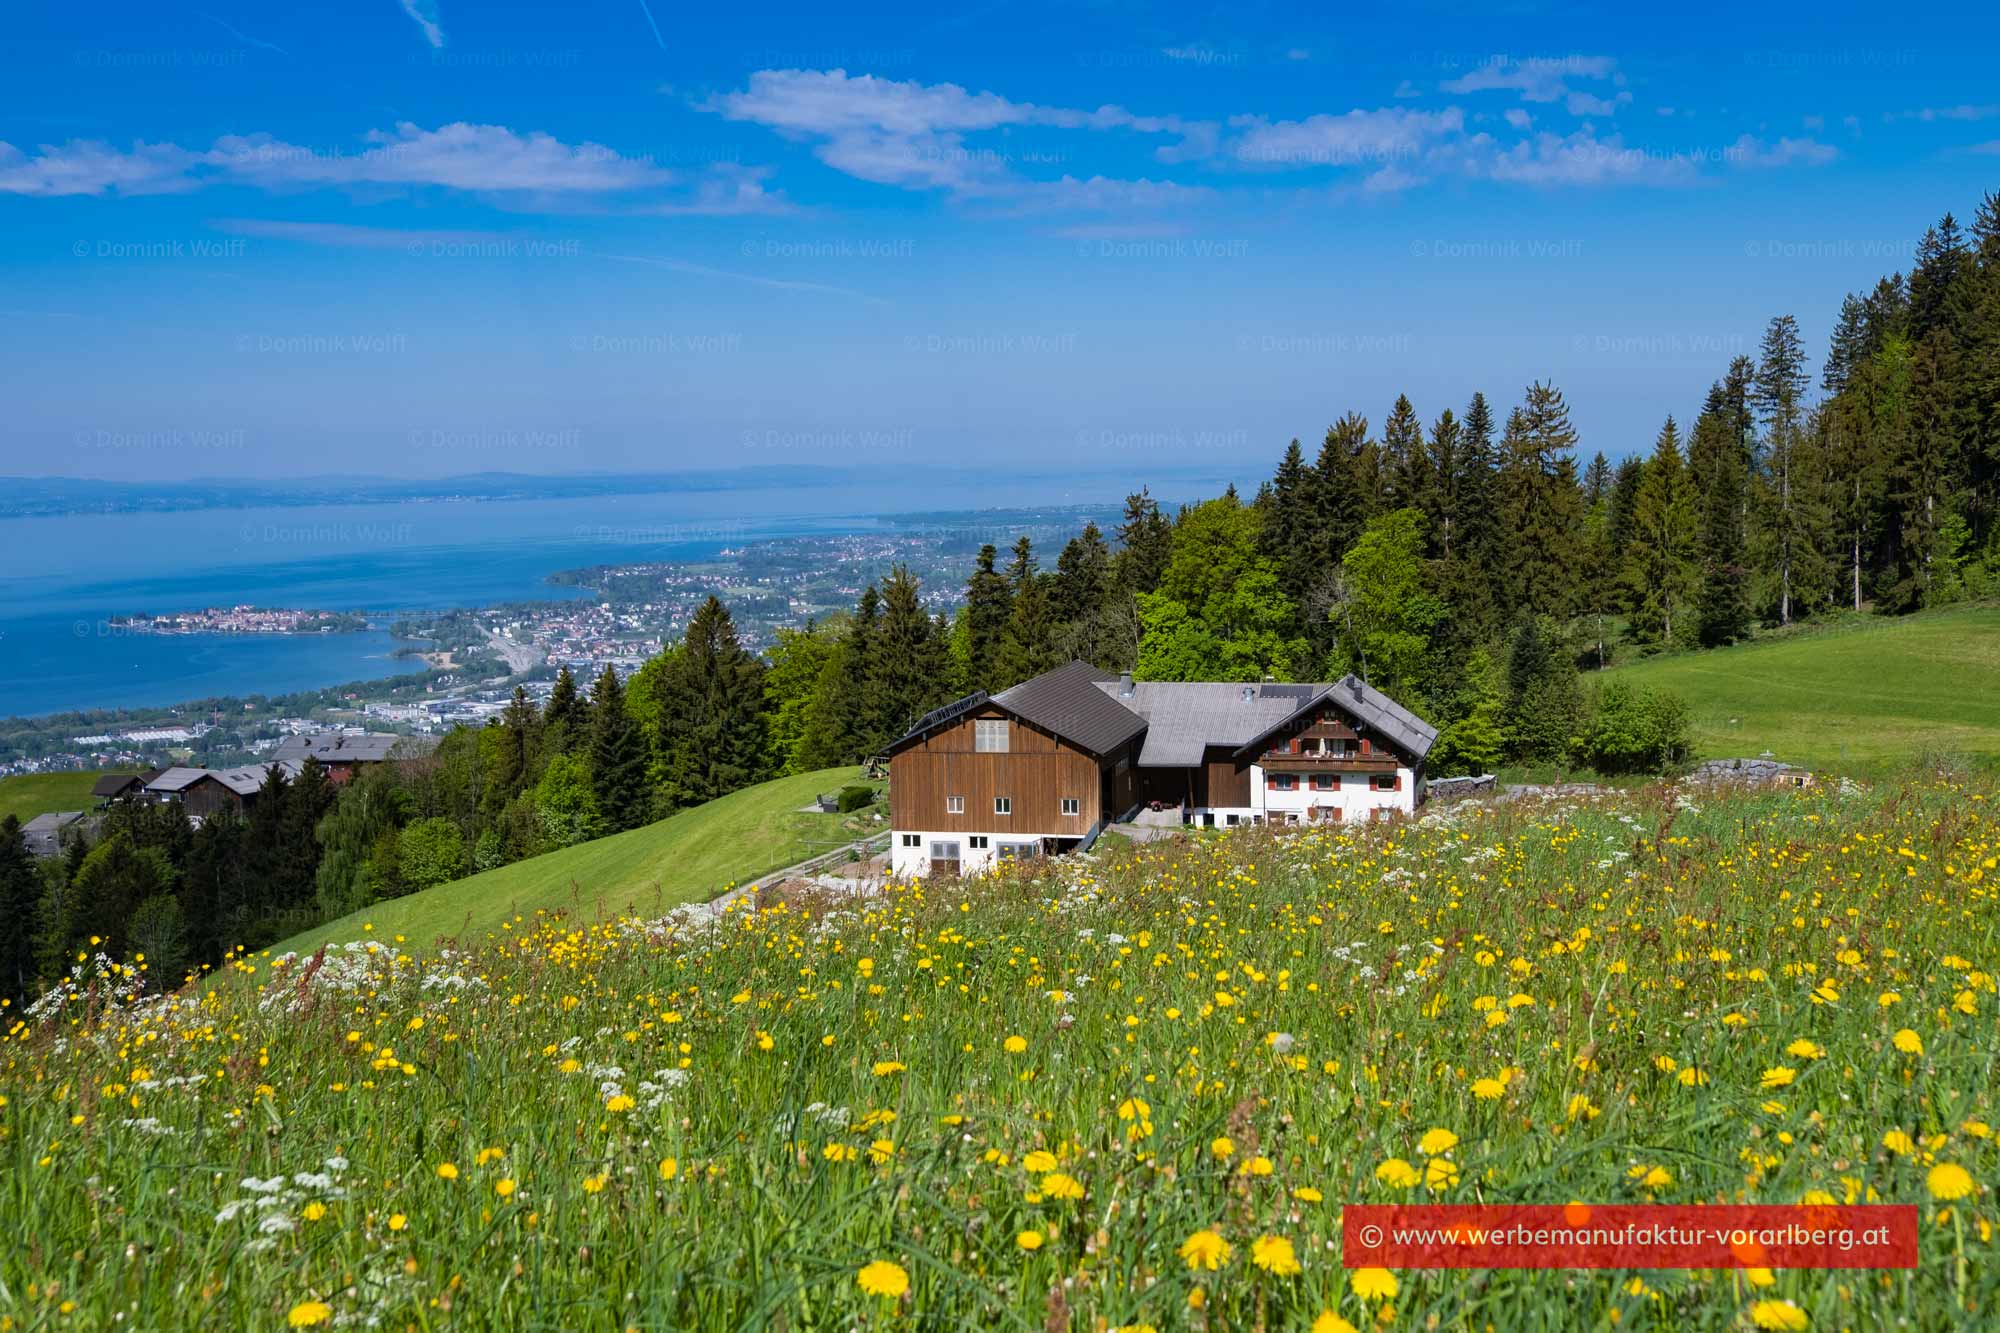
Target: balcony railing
[{"x": 1281, "y": 761}]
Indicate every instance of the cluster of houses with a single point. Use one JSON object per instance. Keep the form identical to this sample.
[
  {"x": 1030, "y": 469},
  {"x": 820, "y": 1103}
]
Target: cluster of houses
[
  {"x": 1042, "y": 768},
  {"x": 204, "y": 791}
]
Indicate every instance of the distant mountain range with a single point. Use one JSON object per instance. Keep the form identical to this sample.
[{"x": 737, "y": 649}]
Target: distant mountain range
[{"x": 27, "y": 497}]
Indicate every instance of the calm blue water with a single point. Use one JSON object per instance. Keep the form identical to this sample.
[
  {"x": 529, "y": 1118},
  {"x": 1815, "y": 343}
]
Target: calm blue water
[{"x": 61, "y": 578}]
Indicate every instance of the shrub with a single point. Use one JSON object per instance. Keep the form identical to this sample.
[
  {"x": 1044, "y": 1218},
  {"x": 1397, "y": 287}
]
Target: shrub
[{"x": 856, "y": 798}]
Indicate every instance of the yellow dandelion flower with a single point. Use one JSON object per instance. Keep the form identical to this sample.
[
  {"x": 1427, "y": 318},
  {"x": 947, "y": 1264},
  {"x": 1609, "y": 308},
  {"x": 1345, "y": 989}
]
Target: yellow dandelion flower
[
  {"x": 1222, "y": 1146},
  {"x": 1908, "y": 1042},
  {"x": 1029, "y": 1240},
  {"x": 1274, "y": 1254},
  {"x": 1039, "y": 1162},
  {"x": 1015, "y": 1045},
  {"x": 1804, "y": 1049},
  {"x": 1948, "y": 1181},
  {"x": 397, "y": 1221},
  {"x": 503, "y": 1187},
  {"x": 1398, "y": 1173},
  {"x": 1779, "y": 1076},
  {"x": 1489, "y": 1089},
  {"x": 1440, "y": 1173},
  {"x": 883, "y": 1278},
  {"x": 446, "y": 1171},
  {"x": 1329, "y": 1322},
  {"x": 1060, "y": 1186},
  {"x": 884, "y": 1068},
  {"x": 1437, "y": 1141},
  {"x": 308, "y": 1313},
  {"x": 1373, "y": 1284},
  {"x": 1307, "y": 1194},
  {"x": 1205, "y": 1249},
  {"x": 619, "y": 1104},
  {"x": 1778, "y": 1316},
  {"x": 669, "y": 1168},
  {"x": 1896, "y": 1141}
]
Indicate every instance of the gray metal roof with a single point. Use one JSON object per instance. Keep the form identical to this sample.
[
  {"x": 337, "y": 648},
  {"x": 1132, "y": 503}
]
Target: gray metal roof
[
  {"x": 1379, "y": 711},
  {"x": 176, "y": 779},
  {"x": 1184, "y": 718},
  {"x": 334, "y": 748},
  {"x": 1069, "y": 702}
]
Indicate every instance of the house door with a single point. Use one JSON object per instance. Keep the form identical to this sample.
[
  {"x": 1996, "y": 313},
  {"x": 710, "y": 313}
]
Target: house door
[{"x": 944, "y": 858}]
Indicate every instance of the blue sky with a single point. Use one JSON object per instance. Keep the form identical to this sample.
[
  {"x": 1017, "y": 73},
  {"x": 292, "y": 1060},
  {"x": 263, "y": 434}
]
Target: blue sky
[{"x": 417, "y": 237}]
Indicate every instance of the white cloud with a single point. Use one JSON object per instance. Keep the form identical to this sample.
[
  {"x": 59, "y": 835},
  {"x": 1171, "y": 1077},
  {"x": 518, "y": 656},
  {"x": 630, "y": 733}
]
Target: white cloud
[
  {"x": 480, "y": 159},
  {"x": 1754, "y": 153},
  {"x": 1589, "y": 104},
  {"x": 913, "y": 135},
  {"x": 1578, "y": 159},
  {"x": 1357, "y": 136},
  {"x": 1536, "y": 79},
  {"x": 424, "y": 13},
  {"x": 345, "y": 236},
  {"x": 1518, "y": 118},
  {"x": 1963, "y": 111},
  {"x": 1406, "y": 90},
  {"x": 1390, "y": 180}
]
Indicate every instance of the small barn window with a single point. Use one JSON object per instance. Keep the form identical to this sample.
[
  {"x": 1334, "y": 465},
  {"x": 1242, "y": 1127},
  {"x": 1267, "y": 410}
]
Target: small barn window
[
  {"x": 1003, "y": 805},
  {"x": 954, "y": 805},
  {"x": 989, "y": 735},
  {"x": 1072, "y": 806}
]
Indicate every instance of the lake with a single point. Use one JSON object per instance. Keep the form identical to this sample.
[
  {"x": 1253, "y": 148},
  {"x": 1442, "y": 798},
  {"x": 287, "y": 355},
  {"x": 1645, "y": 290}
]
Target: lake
[{"x": 62, "y": 578}]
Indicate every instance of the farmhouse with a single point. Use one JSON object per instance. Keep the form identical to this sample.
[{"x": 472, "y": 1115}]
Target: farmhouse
[
  {"x": 203, "y": 791},
  {"x": 342, "y": 754},
  {"x": 1041, "y": 768}
]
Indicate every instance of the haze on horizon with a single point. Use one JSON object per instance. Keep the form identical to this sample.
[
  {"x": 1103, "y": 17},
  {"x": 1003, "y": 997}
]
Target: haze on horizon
[{"x": 426, "y": 239}]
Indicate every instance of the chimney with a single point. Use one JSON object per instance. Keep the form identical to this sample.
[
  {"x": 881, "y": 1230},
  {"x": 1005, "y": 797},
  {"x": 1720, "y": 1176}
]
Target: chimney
[
  {"x": 1249, "y": 693},
  {"x": 1125, "y": 690},
  {"x": 1354, "y": 684}
]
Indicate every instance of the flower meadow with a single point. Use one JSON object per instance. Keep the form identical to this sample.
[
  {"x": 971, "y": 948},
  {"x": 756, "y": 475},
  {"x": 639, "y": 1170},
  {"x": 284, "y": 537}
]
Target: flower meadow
[{"x": 1115, "y": 1093}]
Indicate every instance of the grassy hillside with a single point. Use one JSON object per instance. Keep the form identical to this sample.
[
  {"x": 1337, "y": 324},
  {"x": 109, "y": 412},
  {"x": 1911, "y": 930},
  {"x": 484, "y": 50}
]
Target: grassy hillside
[
  {"x": 689, "y": 857},
  {"x": 1861, "y": 696},
  {"x": 34, "y": 794},
  {"x": 1145, "y": 1091}
]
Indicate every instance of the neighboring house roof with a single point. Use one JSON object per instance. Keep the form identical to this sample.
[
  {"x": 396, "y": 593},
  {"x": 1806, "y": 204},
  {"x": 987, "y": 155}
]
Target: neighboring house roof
[
  {"x": 52, "y": 823},
  {"x": 249, "y": 780},
  {"x": 333, "y": 748},
  {"x": 1069, "y": 702},
  {"x": 112, "y": 784},
  {"x": 175, "y": 779}
]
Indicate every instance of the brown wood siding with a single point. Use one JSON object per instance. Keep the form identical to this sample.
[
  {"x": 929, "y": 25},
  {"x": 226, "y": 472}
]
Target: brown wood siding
[
  {"x": 1036, "y": 773},
  {"x": 1228, "y": 782}
]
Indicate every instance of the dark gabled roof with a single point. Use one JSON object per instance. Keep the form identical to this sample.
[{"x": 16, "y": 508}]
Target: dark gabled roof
[
  {"x": 1367, "y": 705},
  {"x": 111, "y": 784},
  {"x": 1068, "y": 702}
]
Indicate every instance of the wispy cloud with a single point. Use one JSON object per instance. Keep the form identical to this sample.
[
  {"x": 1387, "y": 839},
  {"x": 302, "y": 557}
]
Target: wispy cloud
[
  {"x": 1749, "y": 152},
  {"x": 1538, "y": 78},
  {"x": 424, "y": 13},
  {"x": 914, "y": 135},
  {"x": 1963, "y": 111},
  {"x": 1579, "y": 159},
  {"x": 647, "y": 10},
  {"x": 341, "y": 235},
  {"x": 730, "y": 275},
  {"x": 459, "y": 156},
  {"x": 1355, "y": 137},
  {"x": 245, "y": 38}
]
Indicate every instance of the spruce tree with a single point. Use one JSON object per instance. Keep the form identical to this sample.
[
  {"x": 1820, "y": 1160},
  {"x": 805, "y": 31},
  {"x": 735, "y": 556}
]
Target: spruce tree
[
  {"x": 1145, "y": 543},
  {"x": 1792, "y": 531},
  {"x": 617, "y": 757},
  {"x": 712, "y": 736},
  {"x": 1723, "y": 613},
  {"x": 563, "y": 715},
  {"x": 1662, "y": 569},
  {"x": 1406, "y": 472},
  {"x": 906, "y": 674},
  {"x": 988, "y": 600},
  {"x": 20, "y": 894},
  {"x": 1541, "y": 505}
]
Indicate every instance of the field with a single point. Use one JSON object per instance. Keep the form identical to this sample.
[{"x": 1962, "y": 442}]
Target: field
[
  {"x": 1129, "y": 1093},
  {"x": 689, "y": 857},
  {"x": 1860, "y": 696},
  {"x": 33, "y": 794}
]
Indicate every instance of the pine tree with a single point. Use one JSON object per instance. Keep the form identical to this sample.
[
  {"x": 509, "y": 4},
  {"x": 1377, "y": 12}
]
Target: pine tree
[
  {"x": 1079, "y": 593},
  {"x": 1145, "y": 542},
  {"x": 1407, "y": 482},
  {"x": 712, "y": 736},
  {"x": 310, "y": 798},
  {"x": 906, "y": 676},
  {"x": 20, "y": 893},
  {"x": 1662, "y": 570},
  {"x": 1541, "y": 505},
  {"x": 1445, "y": 474},
  {"x": 1778, "y": 393},
  {"x": 617, "y": 757},
  {"x": 989, "y": 599},
  {"x": 1716, "y": 475},
  {"x": 563, "y": 715}
]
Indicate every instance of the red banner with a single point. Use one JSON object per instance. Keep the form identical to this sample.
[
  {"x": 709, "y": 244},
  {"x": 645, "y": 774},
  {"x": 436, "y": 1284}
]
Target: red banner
[{"x": 1629, "y": 1235}]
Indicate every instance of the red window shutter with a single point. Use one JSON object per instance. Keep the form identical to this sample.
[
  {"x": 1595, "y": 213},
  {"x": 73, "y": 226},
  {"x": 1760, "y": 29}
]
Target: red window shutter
[{"x": 1399, "y": 781}]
